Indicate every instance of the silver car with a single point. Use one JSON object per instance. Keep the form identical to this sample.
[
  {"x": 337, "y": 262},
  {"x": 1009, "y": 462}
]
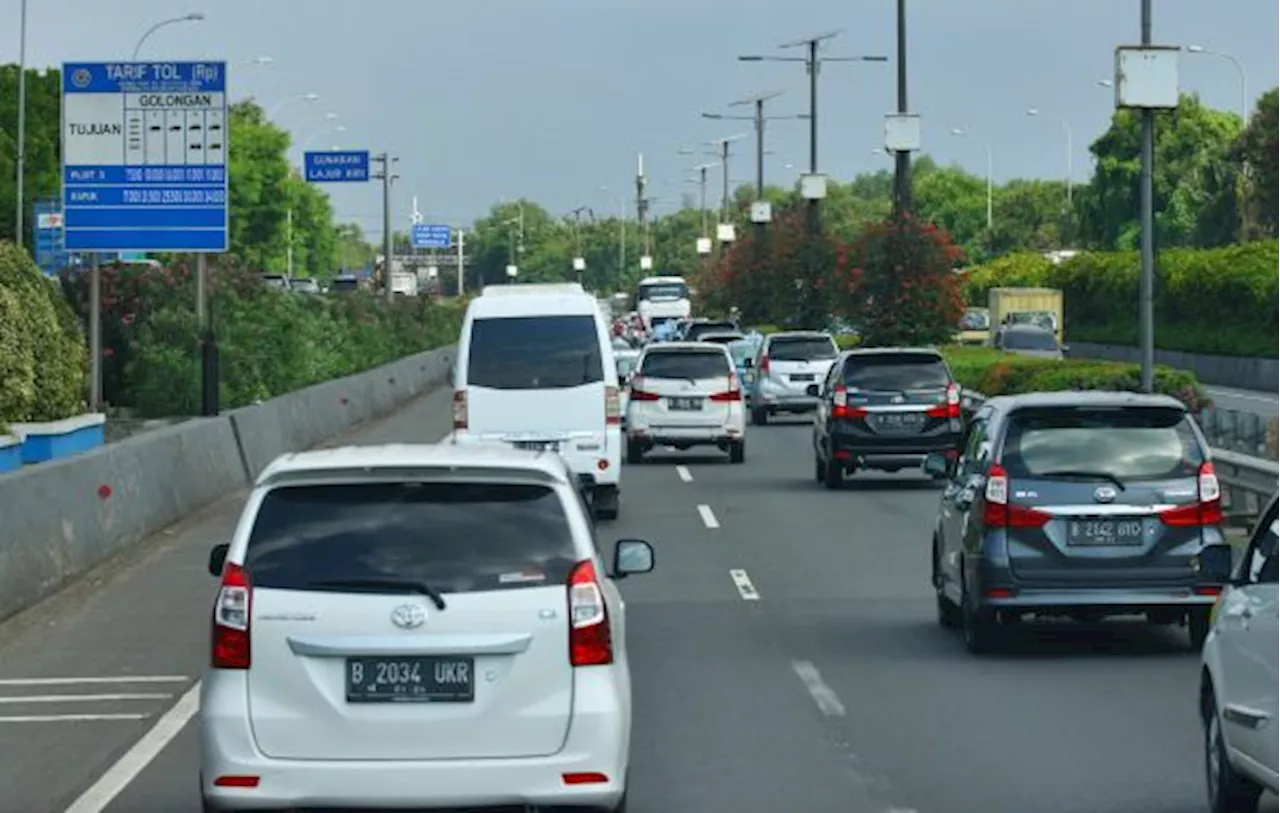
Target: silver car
[
  {"x": 788, "y": 364},
  {"x": 1029, "y": 340}
]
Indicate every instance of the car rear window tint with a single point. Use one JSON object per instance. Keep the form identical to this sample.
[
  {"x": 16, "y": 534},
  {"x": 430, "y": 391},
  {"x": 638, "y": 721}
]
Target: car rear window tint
[
  {"x": 534, "y": 352},
  {"x": 720, "y": 338},
  {"x": 454, "y": 537},
  {"x": 1029, "y": 340},
  {"x": 807, "y": 348},
  {"x": 895, "y": 372},
  {"x": 685, "y": 364},
  {"x": 700, "y": 328},
  {"x": 1126, "y": 443}
]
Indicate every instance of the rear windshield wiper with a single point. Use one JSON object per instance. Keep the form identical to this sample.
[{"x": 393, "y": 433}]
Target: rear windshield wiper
[
  {"x": 1085, "y": 475},
  {"x": 407, "y": 585}
]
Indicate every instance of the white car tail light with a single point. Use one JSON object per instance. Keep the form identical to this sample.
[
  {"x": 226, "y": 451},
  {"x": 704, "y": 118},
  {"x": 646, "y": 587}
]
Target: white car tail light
[
  {"x": 1207, "y": 509},
  {"x": 590, "y": 638},
  {"x": 231, "y": 638},
  {"x": 999, "y": 513},
  {"x": 612, "y": 406},
  {"x": 459, "y": 409}
]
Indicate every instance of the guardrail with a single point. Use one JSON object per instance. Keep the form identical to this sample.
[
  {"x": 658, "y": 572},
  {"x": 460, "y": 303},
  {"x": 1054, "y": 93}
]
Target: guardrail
[
  {"x": 1248, "y": 481},
  {"x": 1236, "y": 431}
]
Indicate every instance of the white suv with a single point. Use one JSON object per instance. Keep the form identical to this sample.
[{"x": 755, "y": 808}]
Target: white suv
[
  {"x": 417, "y": 627},
  {"x": 685, "y": 394}
]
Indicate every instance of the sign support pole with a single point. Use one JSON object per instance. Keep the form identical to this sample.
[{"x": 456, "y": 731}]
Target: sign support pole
[
  {"x": 209, "y": 374},
  {"x": 462, "y": 268},
  {"x": 95, "y": 335}
]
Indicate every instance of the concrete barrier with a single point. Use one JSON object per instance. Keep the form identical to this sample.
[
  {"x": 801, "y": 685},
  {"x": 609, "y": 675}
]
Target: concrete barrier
[
  {"x": 1260, "y": 374},
  {"x": 60, "y": 519}
]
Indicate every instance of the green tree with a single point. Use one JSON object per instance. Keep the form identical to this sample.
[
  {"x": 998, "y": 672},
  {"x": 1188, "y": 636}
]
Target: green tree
[
  {"x": 1194, "y": 181},
  {"x": 1256, "y": 150},
  {"x": 259, "y": 181},
  {"x": 43, "y": 171}
]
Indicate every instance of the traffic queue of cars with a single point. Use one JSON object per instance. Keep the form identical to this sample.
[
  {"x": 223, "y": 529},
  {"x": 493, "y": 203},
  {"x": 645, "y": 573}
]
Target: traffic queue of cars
[{"x": 343, "y": 630}]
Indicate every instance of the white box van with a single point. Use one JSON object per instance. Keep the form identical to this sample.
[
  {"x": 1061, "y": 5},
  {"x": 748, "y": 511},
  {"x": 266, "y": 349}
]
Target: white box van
[{"x": 535, "y": 369}]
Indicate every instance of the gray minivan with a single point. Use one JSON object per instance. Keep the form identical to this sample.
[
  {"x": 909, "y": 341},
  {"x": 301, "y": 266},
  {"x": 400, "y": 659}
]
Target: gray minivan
[{"x": 1079, "y": 504}]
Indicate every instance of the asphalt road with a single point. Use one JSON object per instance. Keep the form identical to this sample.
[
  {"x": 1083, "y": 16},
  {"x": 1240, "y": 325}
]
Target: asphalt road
[
  {"x": 1265, "y": 404},
  {"x": 784, "y": 654}
]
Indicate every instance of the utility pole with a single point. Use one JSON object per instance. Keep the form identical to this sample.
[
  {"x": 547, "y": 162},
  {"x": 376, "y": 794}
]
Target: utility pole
[
  {"x": 902, "y": 158},
  {"x": 462, "y": 257},
  {"x": 386, "y": 161},
  {"x": 20, "y": 207},
  {"x": 1146, "y": 211},
  {"x": 702, "y": 197},
  {"x": 642, "y": 202}
]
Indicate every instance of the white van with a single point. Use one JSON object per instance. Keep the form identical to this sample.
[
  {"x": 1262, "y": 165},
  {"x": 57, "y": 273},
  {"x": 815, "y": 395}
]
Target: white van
[{"x": 535, "y": 369}]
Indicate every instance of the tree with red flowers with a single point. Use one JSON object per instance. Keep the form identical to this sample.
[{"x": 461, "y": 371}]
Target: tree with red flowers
[{"x": 902, "y": 289}]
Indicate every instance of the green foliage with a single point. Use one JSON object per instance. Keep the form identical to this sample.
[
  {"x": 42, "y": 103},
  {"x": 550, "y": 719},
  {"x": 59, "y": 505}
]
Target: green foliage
[
  {"x": 1257, "y": 151},
  {"x": 42, "y": 375},
  {"x": 1218, "y": 301},
  {"x": 992, "y": 373},
  {"x": 43, "y": 170}
]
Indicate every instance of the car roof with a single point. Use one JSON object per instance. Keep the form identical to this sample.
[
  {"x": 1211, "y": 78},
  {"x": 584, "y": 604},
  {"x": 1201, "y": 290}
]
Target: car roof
[
  {"x": 1024, "y": 327},
  {"x": 716, "y": 334},
  {"x": 1086, "y": 398},
  {"x": 684, "y": 347},
  {"x": 496, "y": 458},
  {"x": 799, "y": 334},
  {"x": 882, "y": 351},
  {"x": 534, "y": 303}
]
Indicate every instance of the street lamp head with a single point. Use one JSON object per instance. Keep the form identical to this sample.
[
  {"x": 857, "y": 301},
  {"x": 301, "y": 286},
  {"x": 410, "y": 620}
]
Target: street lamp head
[
  {"x": 956, "y": 131},
  {"x": 751, "y": 58},
  {"x": 330, "y": 116},
  {"x": 194, "y": 16},
  {"x": 712, "y": 116},
  {"x": 1196, "y": 49},
  {"x": 1106, "y": 83},
  {"x": 1033, "y": 112},
  {"x": 309, "y": 97}
]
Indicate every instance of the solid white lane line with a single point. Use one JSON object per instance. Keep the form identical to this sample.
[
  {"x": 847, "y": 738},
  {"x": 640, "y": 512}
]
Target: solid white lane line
[
  {"x": 828, "y": 702},
  {"x": 708, "y": 518},
  {"x": 745, "y": 588},
  {"x": 684, "y": 474},
  {"x": 137, "y": 758},
  {"x": 82, "y": 698},
  {"x": 68, "y": 681},
  {"x": 70, "y": 718}
]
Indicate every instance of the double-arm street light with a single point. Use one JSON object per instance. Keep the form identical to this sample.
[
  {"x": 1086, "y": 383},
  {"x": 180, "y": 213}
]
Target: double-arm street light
[
  {"x": 758, "y": 119},
  {"x": 194, "y": 17}
]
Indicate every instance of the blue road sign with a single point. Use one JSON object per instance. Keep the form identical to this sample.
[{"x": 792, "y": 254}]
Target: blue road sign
[
  {"x": 51, "y": 256},
  {"x": 144, "y": 156},
  {"x": 431, "y": 236},
  {"x": 336, "y": 166}
]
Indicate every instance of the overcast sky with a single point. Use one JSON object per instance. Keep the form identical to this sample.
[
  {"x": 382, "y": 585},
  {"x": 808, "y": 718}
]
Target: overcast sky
[{"x": 552, "y": 99}]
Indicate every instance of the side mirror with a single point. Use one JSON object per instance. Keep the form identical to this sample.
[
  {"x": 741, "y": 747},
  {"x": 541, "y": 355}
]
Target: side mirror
[
  {"x": 937, "y": 464},
  {"x": 632, "y": 556},
  {"x": 812, "y": 390},
  {"x": 1214, "y": 564},
  {"x": 218, "y": 559}
]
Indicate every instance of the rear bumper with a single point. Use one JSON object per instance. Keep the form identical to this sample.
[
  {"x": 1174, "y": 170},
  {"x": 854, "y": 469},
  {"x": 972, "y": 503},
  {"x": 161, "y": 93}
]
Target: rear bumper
[
  {"x": 844, "y": 446},
  {"x": 598, "y": 741},
  {"x": 1105, "y": 600},
  {"x": 684, "y": 436},
  {"x": 583, "y": 455}
]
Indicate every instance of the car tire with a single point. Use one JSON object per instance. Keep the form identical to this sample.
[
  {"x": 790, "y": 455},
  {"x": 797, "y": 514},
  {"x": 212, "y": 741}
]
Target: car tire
[
  {"x": 832, "y": 475},
  {"x": 819, "y": 469},
  {"x": 978, "y": 625},
  {"x": 1198, "y": 624},
  {"x": 1229, "y": 792},
  {"x": 759, "y": 417},
  {"x": 948, "y": 612},
  {"x": 604, "y": 502},
  {"x": 738, "y": 451},
  {"x": 635, "y": 452}
]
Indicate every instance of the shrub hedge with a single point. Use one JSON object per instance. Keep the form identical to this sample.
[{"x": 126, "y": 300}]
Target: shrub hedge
[
  {"x": 43, "y": 357},
  {"x": 270, "y": 341},
  {"x": 1219, "y": 301}
]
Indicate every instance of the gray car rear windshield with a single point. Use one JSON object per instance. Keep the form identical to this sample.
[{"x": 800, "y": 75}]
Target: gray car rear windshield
[
  {"x": 1125, "y": 443},
  {"x": 685, "y": 364},
  {"x": 1029, "y": 340},
  {"x": 802, "y": 348},
  {"x": 534, "y": 352},
  {"x": 452, "y": 537},
  {"x": 896, "y": 372}
]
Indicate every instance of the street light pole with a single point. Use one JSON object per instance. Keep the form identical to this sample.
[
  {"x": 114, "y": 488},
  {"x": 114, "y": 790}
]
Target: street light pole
[
  {"x": 20, "y": 206},
  {"x": 1244, "y": 79},
  {"x": 386, "y": 161},
  {"x": 1146, "y": 212},
  {"x": 1066, "y": 126},
  {"x": 957, "y": 131},
  {"x": 189, "y": 18},
  {"x": 902, "y": 158}
]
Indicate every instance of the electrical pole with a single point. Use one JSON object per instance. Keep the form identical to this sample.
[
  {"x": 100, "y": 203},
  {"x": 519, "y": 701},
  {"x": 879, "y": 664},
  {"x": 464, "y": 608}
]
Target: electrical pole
[
  {"x": 702, "y": 197},
  {"x": 902, "y": 158},
  {"x": 462, "y": 268},
  {"x": 386, "y": 161},
  {"x": 20, "y": 207},
  {"x": 1146, "y": 294}
]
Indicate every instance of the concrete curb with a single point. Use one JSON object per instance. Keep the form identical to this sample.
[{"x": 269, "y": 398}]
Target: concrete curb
[{"x": 60, "y": 519}]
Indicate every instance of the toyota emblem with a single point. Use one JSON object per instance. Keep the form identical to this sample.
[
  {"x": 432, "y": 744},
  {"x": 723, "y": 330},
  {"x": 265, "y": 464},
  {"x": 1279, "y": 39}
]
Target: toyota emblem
[
  {"x": 408, "y": 616},
  {"x": 1104, "y": 493},
  {"x": 898, "y": 399}
]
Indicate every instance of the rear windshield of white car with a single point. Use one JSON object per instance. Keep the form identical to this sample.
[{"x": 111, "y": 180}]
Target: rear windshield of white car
[
  {"x": 896, "y": 372},
  {"x": 1124, "y": 443},
  {"x": 451, "y": 537},
  {"x": 685, "y": 365},
  {"x": 802, "y": 348},
  {"x": 1029, "y": 340},
  {"x": 534, "y": 353}
]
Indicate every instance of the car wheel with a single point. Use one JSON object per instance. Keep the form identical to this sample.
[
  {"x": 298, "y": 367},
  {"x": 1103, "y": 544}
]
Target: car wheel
[
  {"x": 979, "y": 626},
  {"x": 832, "y": 474},
  {"x": 1198, "y": 628},
  {"x": 760, "y": 417},
  {"x": 1229, "y": 792},
  {"x": 737, "y": 451},
  {"x": 819, "y": 468},
  {"x": 635, "y": 452},
  {"x": 948, "y": 612}
]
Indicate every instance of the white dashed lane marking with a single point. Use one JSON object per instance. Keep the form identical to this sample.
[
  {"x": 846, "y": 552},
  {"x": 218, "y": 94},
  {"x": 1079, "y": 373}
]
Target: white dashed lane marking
[
  {"x": 745, "y": 588},
  {"x": 708, "y": 517},
  {"x": 684, "y": 474},
  {"x": 823, "y": 695}
]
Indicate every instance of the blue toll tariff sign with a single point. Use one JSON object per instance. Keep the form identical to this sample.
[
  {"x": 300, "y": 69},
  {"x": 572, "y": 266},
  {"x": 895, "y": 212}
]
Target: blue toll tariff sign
[
  {"x": 336, "y": 166},
  {"x": 144, "y": 156}
]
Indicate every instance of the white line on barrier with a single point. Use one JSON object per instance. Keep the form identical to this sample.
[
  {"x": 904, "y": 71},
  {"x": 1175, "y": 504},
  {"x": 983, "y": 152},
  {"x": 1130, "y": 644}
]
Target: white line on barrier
[
  {"x": 745, "y": 588},
  {"x": 70, "y": 718},
  {"x": 708, "y": 518},
  {"x": 137, "y": 758},
  {"x": 82, "y": 698},
  {"x": 826, "y": 698},
  {"x": 70, "y": 681},
  {"x": 684, "y": 474}
]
